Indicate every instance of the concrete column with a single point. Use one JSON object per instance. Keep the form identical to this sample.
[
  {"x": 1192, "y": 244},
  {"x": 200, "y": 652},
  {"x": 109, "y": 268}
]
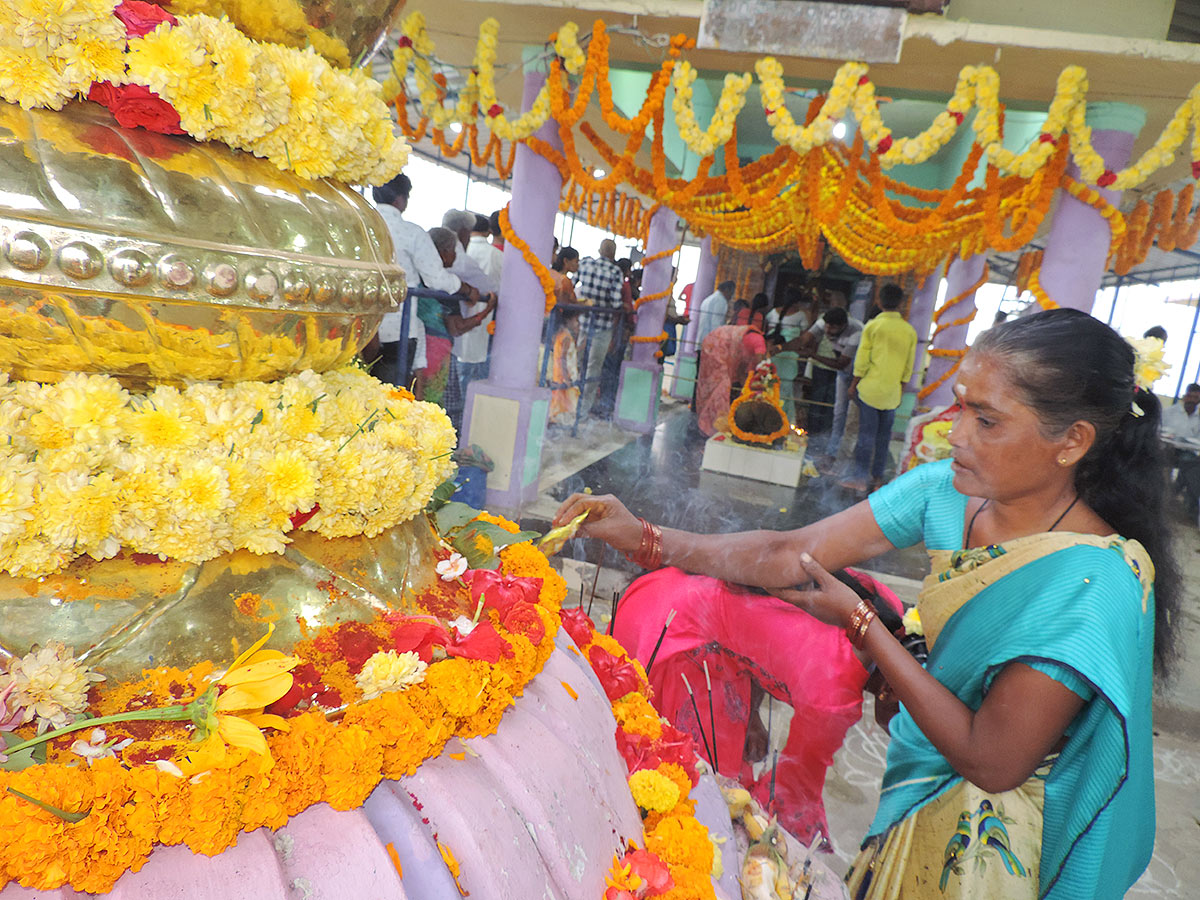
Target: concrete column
[
  {"x": 506, "y": 415},
  {"x": 920, "y": 315},
  {"x": 1077, "y": 247},
  {"x": 641, "y": 376},
  {"x": 684, "y": 383},
  {"x": 960, "y": 276}
]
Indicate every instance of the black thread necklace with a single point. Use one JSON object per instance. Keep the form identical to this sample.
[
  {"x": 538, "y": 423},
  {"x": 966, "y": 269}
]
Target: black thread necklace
[{"x": 971, "y": 524}]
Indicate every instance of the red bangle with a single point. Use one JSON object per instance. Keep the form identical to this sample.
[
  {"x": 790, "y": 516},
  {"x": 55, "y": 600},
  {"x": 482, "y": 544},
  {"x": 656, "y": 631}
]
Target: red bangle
[{"x": 650, "y": 551}]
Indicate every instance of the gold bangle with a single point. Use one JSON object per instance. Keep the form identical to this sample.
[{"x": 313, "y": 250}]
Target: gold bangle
[{"x": 858, "y": 623}]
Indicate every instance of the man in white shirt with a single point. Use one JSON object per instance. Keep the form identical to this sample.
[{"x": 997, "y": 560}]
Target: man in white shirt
[
  {"x": 480, "y": 249},
  {"x": 714, "y": 310},
  {"x": 831, "y": 344},
  {"x": 1181, "y": 422},
  {"x": 415, "y": 253},
  {"x": 471, "y": 347}
]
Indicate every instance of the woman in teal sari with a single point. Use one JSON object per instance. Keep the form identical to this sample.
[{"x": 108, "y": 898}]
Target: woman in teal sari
[{"x": 1020, "y": 763}]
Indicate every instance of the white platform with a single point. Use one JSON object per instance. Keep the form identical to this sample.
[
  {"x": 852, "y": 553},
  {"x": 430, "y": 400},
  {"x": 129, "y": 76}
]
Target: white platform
[{"x": 723, "y": 454}]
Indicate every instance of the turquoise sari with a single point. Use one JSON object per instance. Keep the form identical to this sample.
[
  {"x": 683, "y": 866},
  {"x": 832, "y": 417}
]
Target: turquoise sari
[{"x": 1078, "y": 608}]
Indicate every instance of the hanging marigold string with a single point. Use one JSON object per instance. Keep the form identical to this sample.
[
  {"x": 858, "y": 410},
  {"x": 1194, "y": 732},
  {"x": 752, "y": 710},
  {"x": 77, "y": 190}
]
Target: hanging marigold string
[
  {"x": 1039, "y": 293},
  {"x": 1146, "y": 226},
  {"x": 544, "y": 276},
  {"x": 941, "y": 311},
  {"x": 942, "y": 353},
  {"x": 1028, "y": 263}
]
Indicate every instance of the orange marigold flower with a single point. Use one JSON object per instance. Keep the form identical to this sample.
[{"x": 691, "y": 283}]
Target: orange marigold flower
[
  {"x": 681, "y": 841},
  {"x": 636, "y": 715},
  {"x": 500, "y": 521},
  {"x": 351, "y": 767}
]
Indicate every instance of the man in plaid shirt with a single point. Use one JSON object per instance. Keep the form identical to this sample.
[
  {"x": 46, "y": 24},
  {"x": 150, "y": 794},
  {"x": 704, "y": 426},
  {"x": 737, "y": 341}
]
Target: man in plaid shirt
[{"x": 599, "y": 284}]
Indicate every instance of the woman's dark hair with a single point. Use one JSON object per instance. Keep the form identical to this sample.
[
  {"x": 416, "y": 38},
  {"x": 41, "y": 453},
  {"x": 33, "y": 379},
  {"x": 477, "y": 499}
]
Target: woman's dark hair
[
  {"x": 565, "y": 255},
  {"x": 1070, "y": 367},
  {"x": 760, "y": 302}
]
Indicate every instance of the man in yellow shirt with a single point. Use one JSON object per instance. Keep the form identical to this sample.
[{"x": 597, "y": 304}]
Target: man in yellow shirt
[{"x": 884, "y": 362}]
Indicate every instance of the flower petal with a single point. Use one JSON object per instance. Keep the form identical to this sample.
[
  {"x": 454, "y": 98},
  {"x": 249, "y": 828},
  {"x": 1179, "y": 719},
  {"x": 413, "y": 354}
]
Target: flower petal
[
  {"x": 255, "y": 694},
  {"x": 240, "y": 733},
  {"x": 267, "y": 720},
  {"x": 253, "y": 648},
  {"x": 260, "y": 671}
]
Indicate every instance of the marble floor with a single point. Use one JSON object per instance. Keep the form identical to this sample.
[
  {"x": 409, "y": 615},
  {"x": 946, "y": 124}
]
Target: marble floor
[{"x": 658, "y": 476}]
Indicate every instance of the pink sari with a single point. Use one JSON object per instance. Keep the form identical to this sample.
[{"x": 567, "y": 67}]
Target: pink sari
[
  {"x": 726, "y": 356},
  {"x": 741, "y": 635}
]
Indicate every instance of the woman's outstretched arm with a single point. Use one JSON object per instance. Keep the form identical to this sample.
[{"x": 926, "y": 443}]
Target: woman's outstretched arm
[{"x": 768, "y": 559}]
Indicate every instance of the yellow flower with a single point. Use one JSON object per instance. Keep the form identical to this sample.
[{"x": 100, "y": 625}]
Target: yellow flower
[
  {"x": 389, "y": 671},
  {"x": 291, "y": 481},
  {"x": 912, "y": 622},
  {"x": 653, "y": 792},
  {"x": 256, "y": 679}
]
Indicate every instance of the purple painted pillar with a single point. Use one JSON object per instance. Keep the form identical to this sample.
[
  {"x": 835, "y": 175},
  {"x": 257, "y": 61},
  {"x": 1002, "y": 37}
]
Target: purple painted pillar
[
  {"x": 1077, "y": 247},
  {"x": 506, "y": 415},
  {"x": 641, "y": 376},
  {"x": 683, "y": 384},
  {"x": 920, "y": 315},
  {"x": 960, "y": 276}
]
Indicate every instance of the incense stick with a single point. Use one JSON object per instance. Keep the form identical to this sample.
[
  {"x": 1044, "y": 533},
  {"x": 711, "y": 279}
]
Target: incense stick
[
  {"x": 774, "y": 769},
  {"x": 612, "y": 618},
  {"x": 696, "y": 710},
  {"x": 662, "y": 634},
  {"x": 712, "y": 720},
  {"x": 581, "y": 593}
]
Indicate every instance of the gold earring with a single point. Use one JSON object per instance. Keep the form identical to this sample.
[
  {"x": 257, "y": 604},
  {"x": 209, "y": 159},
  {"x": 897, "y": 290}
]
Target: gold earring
[{"x": 1062, "y": 461}]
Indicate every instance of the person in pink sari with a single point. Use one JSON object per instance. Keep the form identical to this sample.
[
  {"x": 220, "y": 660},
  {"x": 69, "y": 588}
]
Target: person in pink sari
[
  {"x": 726, "y": 356},
  {"x": 752, "y": 643}
]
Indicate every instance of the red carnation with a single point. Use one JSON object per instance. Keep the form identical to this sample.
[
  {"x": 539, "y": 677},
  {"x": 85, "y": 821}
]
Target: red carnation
[
  {"x": 299, "y": 518},
  {"x": 1196, "y": 169},
  {"x": 523, "y": 618},
  {"x": 404, "y": 41},
  {"x": 142, "y": 18},
  {"x": 484, "y": 642},
  {"x": 500, "y": 592},
  {"x": 885, "y": 145},
  {"x": 135, "y": 106},
  {"x": 617, "y": 676},
  {"x": 419, "y": 636},
  {"x": 1046, "y": 138},
  {"x": 1107, "y": 178},
  {"x": 578, "y": 625},
  {"x": 652, "y": 870},
  {"x": 863, "y": 79},
  {"x": 958, "y": 117},
  {"x": 495, "y": 109}
]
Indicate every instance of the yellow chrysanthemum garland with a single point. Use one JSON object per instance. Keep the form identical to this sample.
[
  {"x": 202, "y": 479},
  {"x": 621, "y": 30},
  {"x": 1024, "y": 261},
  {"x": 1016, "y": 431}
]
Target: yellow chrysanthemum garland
[
  {"x": 286, "y": 105},
  {"x": 852, "y": 92},
  {"x": 90, "y": 468},
  {"x": 51, "y": 52}
]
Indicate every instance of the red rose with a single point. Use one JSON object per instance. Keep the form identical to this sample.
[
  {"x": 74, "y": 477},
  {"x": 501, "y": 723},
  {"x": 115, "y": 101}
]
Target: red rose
[
  {"x": 578, "y": 625},
  {"x": 677, "y": 747},
  {"x": 614, "y": 893},
  {"x": 617, "y": 676},
  {"x": 142, "y": 18},
  {"x": 419, "y": 636},
  {"x": 523, "y": 618},
  {"x": 1107, "y": 178},
  {"x": 484, "y": 642},
  {"x": 885, "y": 145},
  {"x": 495, "y": 109},
  {"x": 652, "y": 870},
  {"x": 135, "y": 106},
  {"x": 500, "y": 592}
]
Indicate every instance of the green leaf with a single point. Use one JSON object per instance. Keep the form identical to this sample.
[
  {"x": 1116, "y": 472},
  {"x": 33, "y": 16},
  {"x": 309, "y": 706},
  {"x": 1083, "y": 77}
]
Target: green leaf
[
  {"x": 71, "y": 817},
  {"x": 464, "y": 543},
  {"x": 453, "y": 515},
  {"x": 500, "y": 537},
  {"x": 23, "y": 759},
  {"x": 441, "y": 495}
]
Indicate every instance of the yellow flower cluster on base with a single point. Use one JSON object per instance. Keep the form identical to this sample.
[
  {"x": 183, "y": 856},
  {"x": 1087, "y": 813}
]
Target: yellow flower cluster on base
[
  {"x": 130, "y": 810},
  {"x": 90, "y": 468},
  {"x": 287, "y": 105}
]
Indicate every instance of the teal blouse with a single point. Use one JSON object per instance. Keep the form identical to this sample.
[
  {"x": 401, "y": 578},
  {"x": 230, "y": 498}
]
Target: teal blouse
[{"x": 1076, "y": 615}]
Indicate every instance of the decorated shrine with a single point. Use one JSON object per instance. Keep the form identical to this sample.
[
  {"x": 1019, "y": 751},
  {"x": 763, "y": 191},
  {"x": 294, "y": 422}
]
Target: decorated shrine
[{"x": 250, "y": 645}]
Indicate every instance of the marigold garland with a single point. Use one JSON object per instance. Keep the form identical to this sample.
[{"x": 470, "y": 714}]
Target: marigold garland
[
  {"x": 130, "y": 810},
  {"x": 540, "y": 269},
  {"x": 955, "y": 354}
]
